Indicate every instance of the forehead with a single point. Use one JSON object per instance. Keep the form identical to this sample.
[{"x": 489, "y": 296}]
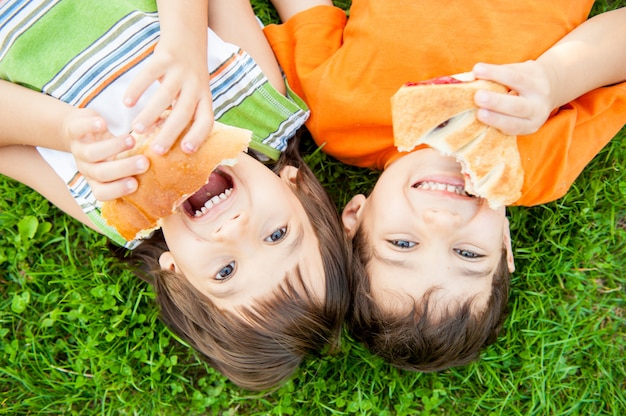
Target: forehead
[
  {"x": 448, "y": 285},
  {"x": 398, "y": 283}
]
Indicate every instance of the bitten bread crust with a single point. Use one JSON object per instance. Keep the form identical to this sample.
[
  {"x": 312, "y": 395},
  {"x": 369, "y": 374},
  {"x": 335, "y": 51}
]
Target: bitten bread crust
[
  {"x": 170, "y": 179},
  {"x": 443, "y": 116}
]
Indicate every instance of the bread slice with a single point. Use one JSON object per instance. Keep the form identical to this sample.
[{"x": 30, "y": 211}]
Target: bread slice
[
  {"x": 171, "y": 178},
  {"x": 441, "y": 113}
]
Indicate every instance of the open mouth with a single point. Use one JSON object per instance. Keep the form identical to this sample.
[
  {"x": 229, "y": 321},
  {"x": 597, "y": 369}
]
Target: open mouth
[
  {"x": 440, "y": 186},
  {"x": 217, "y": 190}
]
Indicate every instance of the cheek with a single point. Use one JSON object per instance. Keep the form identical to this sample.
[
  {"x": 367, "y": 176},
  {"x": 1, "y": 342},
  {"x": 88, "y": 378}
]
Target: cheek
[
  {"x": 388, "y": 204},
  {"x": 173, "y": 240},
  {"x": 491, "y": 226},
  {"x": 190, "y": 264},
  {"x": 185, "y": 250},
  {"x": 172, "y": 228}
]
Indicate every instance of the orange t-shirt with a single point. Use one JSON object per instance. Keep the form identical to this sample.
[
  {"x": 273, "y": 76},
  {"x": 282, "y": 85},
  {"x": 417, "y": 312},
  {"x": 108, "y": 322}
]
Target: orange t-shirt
[{"x": 346, "y": 70}]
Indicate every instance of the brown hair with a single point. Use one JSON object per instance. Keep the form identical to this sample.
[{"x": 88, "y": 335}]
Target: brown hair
[
  {"x": 261, "y": 346},
  {"x": 419, "y": 341}
]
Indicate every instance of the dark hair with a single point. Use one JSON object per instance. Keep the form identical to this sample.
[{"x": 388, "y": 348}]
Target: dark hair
[
  {"x": 419, "y": 340},
  {"x": 261, "y": 346}
]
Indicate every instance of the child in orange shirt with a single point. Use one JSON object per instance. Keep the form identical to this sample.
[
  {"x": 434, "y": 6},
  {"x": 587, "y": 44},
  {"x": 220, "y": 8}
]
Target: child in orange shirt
[{"x": 431, "y": 270}]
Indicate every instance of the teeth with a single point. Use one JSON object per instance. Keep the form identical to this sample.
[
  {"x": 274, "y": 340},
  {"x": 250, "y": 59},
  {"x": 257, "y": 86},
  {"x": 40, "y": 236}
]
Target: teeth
[
  {"x": 436, "y": 186},
  {"x": 213, "y": 202}
]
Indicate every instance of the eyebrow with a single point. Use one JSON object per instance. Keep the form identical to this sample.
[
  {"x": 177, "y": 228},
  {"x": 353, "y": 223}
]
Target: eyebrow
[
  {"x": 225, "y": 293},
  {"x": 467, "y": 272},
  {"x": 297, "y": 241},
  {"x": 390, "y": 262},
  {"x": 464, "y": 271}
]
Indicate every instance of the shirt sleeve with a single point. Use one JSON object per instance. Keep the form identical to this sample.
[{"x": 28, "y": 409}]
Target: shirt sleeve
[
  {"x": 304, "y": 44},
  {"x": 553, "y": 157}
]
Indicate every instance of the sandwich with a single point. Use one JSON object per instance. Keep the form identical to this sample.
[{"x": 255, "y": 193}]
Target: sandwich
[
  {"x": 171, "y": 178},
  {"x": 441, "y": 114}
]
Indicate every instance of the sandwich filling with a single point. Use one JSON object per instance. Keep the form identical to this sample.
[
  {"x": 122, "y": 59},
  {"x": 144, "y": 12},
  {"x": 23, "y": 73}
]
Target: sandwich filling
[
  {"x": 217, "y": 189},
  {"x": 448, "y": 79}
]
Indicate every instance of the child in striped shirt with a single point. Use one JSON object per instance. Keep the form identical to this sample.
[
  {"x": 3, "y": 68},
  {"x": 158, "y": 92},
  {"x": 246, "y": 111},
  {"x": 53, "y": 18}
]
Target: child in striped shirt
[{"x": 258, "y": 281}]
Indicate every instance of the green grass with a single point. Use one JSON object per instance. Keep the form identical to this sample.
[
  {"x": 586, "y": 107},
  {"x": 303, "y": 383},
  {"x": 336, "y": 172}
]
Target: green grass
[{"x": 80, "y": 335}]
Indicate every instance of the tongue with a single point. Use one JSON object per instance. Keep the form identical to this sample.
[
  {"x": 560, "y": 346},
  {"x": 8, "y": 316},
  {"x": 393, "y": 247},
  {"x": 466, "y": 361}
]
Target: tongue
[{"x": 217, "y": 184}]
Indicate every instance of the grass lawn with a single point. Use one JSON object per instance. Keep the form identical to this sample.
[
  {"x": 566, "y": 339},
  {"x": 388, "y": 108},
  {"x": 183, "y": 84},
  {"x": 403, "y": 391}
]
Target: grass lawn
[{"x": 80, "y": 335}]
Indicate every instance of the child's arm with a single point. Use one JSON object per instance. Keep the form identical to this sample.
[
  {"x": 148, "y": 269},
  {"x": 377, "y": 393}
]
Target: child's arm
[
  {"x": 234, "y": 21},
  {"x": 179, "y": 64},
  {"x": 591, "y": 56},
  {"x": 288, "y": 8},
  {"x": 25, "y": 165},
  {"x": 30, "y": 118}
]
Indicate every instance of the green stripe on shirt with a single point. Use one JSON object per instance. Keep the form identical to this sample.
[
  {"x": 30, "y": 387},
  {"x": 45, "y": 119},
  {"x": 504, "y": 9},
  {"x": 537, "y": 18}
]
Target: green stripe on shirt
[{"x": 62, "y": 42}]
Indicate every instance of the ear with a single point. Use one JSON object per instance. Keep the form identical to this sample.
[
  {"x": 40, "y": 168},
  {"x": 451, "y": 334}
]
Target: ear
[
  {"x": 509, "y": 247},
  {"x": 351, "y": 214},
  {"x": 289, "y": 174},
  {"x": 166, "y": 261}
]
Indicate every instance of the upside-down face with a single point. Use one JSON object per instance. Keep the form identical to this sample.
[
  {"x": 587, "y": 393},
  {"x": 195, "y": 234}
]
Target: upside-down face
[
  {"x": 426, "y": 232},
  {"x": 238, "y": 237}
]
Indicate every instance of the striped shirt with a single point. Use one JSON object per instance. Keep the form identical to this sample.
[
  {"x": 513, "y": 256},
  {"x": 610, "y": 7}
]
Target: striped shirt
[{"x": 86, "y": 54}]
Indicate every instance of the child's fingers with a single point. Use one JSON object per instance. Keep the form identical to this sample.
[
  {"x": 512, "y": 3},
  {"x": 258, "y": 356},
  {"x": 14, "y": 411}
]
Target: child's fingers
[
  {"x": 525, "y": 108},
  {"x": 200, "y": 129},
  {"x": 167, "y": 91},
  {"x": 174, "y": 124},
  {"x": 88, "y": 128},
  {"x": 98, "y": 151},
  {"x": 507, "y": 124},
  {"x": 509, "y": 75},
  {"x": 509, "y": 104},
  {"x": 112, "y": 190},
  {"x": 141, "y": 83},
  {"x": 525, "y": 78},
  {"x": 114, "y": 170},
  {"x": 162, "y": 99}
]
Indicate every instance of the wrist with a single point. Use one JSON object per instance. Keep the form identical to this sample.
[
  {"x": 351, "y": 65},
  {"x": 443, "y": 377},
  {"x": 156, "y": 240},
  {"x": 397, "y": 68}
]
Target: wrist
[
  {"x": 553, "y": 83},
  {"x": 183, "y": 20}
]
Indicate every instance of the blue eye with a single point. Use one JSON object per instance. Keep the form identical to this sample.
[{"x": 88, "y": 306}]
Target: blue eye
[
  {"x": 225, "y": 272},
  {"x": 403, "y": 244},
  {"x": 276, "y": 235},
  {"x": 468, "y": 254}
]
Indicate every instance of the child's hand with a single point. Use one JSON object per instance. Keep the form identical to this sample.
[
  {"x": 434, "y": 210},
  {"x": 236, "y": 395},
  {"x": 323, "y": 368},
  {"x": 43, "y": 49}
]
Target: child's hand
[
  {"x": 95, "y": 148},
  {"x": 184, "y": 80},
  {"x": 524, "y": 110}
]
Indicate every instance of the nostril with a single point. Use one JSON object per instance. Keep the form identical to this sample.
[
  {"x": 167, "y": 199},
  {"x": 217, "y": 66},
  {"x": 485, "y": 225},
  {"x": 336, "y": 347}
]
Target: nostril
[{"x": 232, "y": 224}]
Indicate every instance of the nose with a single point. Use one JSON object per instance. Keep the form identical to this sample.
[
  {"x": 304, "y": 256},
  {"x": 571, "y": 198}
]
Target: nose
[
  {"x": 233, "y": 227},
  {"x": 441, "y": 218}
]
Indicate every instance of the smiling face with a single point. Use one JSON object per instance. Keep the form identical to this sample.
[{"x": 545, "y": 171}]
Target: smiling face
[
  {"x": 425, "y": 232},
  {"x": 237, "y": 238}
]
